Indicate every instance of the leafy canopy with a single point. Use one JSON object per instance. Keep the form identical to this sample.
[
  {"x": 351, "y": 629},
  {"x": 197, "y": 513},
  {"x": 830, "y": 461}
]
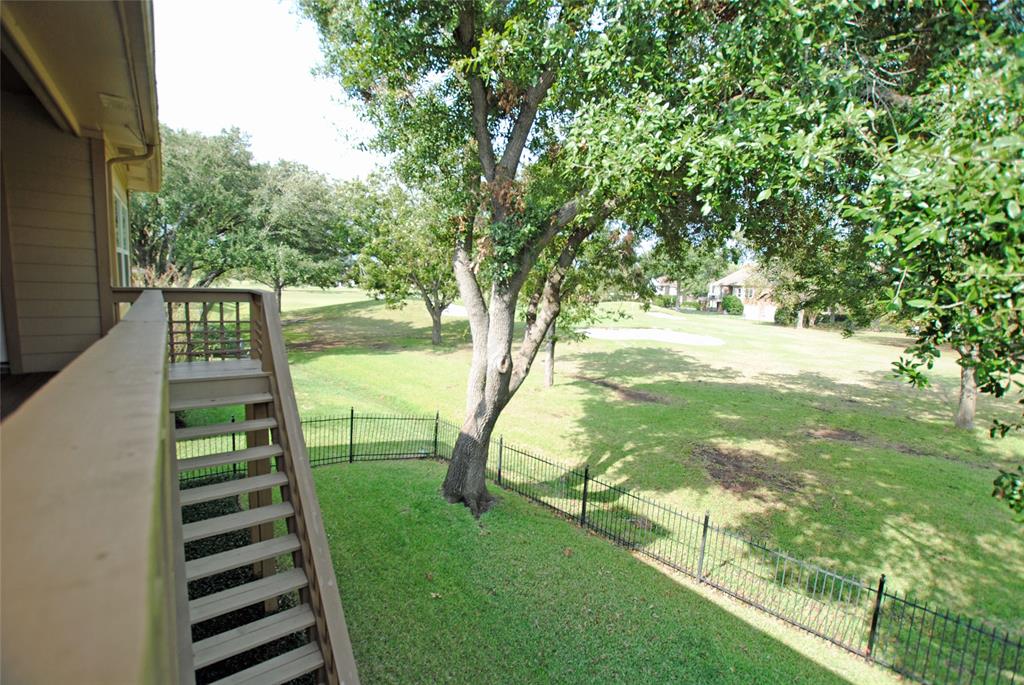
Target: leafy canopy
[
  {"x": 199, "y": 225},
  {"x": 945, "y": 203}
]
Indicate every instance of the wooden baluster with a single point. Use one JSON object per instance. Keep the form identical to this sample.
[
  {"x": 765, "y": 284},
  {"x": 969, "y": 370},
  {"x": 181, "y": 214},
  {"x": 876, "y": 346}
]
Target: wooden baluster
[{"x": 188, "y": 333}]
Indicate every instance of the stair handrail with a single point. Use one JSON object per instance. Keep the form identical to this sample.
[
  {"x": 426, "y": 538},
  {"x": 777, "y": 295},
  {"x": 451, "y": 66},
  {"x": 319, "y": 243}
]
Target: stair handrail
[
  {"x": 268, "y": 347},
  {"x": 331, "y": 628}
]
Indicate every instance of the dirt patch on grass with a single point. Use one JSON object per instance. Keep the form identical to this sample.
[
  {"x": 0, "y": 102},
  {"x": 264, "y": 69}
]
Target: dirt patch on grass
[
  {"x": 844, "y": 435},
  {"x": 641, "y": 522},
  {"x": 916, "y": 452},
  {"x": 746, "y": 473},
  {"x": 325, "y": 345},
  {"x": 625, "y": 393},
  {"x": 836, "y": 434}
]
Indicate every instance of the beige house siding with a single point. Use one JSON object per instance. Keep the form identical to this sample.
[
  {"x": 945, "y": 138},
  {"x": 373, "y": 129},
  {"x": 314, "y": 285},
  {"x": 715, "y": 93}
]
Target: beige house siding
[{"x": 48, "y": 180}]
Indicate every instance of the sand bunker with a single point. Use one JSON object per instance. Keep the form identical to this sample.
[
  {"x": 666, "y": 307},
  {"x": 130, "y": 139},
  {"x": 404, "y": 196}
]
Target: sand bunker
[
  {"x": 653, "y": 335},
  {"x": 455, "y": 310}
]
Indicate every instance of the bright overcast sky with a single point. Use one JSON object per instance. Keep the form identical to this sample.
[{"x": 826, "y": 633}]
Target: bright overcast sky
[{"x": 247, "y": 63}]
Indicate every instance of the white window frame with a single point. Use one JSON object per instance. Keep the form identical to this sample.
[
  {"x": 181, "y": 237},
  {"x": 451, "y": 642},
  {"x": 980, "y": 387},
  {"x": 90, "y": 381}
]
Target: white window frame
[{"x": 122, "y": 242}]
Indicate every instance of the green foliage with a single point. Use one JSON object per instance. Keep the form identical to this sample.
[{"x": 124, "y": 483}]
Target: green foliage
[
  {"x": 732, "y": 305},
  {"x": 219, "y": 213},
  {"x": 301, "y": 237},
  {"x": 668, "y": 301},
  {"x": 691, "y": 267},
  {"x": 1009, "y": 486},
  {"x": 802, "y": 127},
  {"x": 945, "y": 204},
  {"x": 408, "y": 248},
  {"x": 200, "y": 224},
  {"x": 785, "y": 316}
]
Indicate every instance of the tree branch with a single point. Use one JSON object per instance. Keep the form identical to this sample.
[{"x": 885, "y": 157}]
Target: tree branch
[
  {"x": 535, "y": 94},
  {"x": 465, "y": 35},
  {"x": 550, "y": 304},
  {"x": 469, "y": 288},
  {"x": 528, "y": 255}
]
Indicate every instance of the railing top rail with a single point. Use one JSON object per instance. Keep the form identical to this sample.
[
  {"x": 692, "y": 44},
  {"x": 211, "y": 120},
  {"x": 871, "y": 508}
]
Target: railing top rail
[
  {"x": 104, "y": 484},
  {"x": 304, "y": 491},
  {"x": 192, "y": 294}
]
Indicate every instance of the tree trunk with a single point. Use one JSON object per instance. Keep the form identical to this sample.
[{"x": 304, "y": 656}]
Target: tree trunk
[
  {"x": 435, "y": 321},
  {"x": 465, "y": 481},
  {"x": 799, "y": 318},
  {"x": 487, "y": 390},
  {"x": 968, "y": 398},
  {"x": 549, "y": 371},
  {"x": 278, "y": 290}
]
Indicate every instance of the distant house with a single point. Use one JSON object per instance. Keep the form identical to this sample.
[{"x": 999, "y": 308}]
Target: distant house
[
  {"x": 748, "y": 284},
  {"x": 663, "y": 285}
]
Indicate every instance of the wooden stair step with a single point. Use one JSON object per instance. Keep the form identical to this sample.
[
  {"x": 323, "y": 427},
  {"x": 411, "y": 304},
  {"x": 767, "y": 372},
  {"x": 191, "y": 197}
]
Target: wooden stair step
[
  {"x": 188, "y": 372},
  {"x": 231, "y": 488},
  {"x": 240, "y": 556},
  {"x": 241, "y": 596},
  {"x": 243, "y": 519},
  {"x": 222, "y": 458},
  {"x": 224, "y": 429},
  {"x": 280, "y": 669},
  {"x": 226, "y": 401},
  {"x": 251, "y": 635}
]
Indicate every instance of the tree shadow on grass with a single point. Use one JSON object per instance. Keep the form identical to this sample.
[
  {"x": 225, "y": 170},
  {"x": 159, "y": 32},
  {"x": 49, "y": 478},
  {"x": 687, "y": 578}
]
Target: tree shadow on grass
[
  {"x": 367, "y": 324},
  {"x": 865, "y": 477}
]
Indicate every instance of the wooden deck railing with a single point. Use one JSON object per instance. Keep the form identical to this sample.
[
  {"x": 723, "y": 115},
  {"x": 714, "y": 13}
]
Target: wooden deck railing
[
  {"x": 93, "y": 576},
  {"x": 202, "y": 328}
]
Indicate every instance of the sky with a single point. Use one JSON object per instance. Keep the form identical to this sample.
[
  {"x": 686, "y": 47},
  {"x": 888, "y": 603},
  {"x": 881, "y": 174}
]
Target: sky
[{"x": 248, "y": 63}]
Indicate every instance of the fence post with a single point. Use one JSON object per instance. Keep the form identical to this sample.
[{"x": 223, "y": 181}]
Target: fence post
[
  {"x": 873, "y": 634},
  {"x": 501, "y": 453},
  {"x": 437, "y": 424},
  {"x": 351, "y": 433},
  {"x": 586, "y": 484},
  {"x": 703, "y": 546}
]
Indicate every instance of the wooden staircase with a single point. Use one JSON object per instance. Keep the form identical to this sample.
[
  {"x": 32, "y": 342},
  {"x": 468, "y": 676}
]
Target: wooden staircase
[
  {"x": 269, "y": 528},
  {"x": 253, "y": 574}
]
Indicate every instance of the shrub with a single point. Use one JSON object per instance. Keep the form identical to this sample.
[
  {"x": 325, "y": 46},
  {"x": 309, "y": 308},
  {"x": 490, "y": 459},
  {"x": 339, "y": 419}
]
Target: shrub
[
  {"x": 690, "y": 304},
  {"x": 668, "y": 301},
  {"x": 732, "y": 305},
  {"x": 785, "y": 316}
]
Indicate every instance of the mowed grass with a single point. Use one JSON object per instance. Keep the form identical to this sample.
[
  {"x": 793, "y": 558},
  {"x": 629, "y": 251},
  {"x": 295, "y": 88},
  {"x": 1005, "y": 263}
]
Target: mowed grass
[
  {"x": 432, "y": 595},
  {"x": 800, "y": 437}
]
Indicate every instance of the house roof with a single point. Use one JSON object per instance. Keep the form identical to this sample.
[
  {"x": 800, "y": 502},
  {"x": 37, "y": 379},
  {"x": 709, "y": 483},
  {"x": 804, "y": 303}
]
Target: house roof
[
  {"x": 92, "y": 66},
  {"x": 748, "y": 274},
  {"x": 738, "y": 277}
]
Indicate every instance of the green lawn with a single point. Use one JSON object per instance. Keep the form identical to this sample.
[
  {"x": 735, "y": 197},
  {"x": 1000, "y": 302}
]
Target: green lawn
[
  {"x": 432, "y": 595},
  {"x": 802, "y": 437}
]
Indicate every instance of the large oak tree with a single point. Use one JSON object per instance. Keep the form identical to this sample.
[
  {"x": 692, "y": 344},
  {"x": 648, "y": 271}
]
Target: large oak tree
[{"x": 563, "y": 122}]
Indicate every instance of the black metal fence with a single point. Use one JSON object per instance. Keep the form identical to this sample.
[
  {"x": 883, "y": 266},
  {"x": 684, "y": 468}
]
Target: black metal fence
[{"x": 923, "y": 643}]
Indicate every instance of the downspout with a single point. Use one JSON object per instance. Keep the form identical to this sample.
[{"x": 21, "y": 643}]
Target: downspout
[
  {"x": 125, "y": 159},
  {"x": 130, "y": 159}
]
